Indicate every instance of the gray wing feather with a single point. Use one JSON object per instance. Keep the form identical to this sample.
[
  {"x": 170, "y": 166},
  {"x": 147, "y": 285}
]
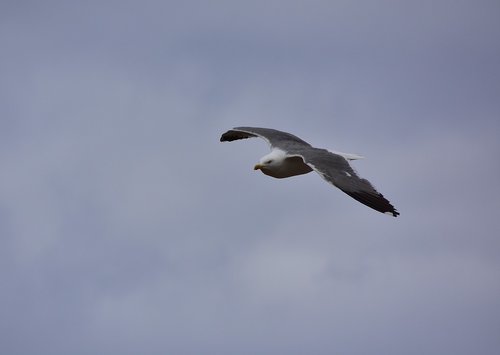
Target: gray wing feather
[
  {"x": 277, "y": 139},
  {"x": 336, "y": 170}
]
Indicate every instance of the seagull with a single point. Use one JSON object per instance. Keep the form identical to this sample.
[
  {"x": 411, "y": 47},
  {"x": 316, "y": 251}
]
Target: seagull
[{"x": 292, "y": 156}]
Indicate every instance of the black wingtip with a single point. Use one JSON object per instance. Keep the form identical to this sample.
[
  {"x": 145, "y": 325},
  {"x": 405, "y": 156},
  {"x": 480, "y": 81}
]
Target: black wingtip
[
  {"x": 387, "y": 208},
  {"x": 233, "y": 135},
  {"x": 393, "y": 212},
  {"x": 376, "y": 201}
]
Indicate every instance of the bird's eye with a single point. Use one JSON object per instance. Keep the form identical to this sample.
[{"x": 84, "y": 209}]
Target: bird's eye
[{"x": 269, "y": 161}]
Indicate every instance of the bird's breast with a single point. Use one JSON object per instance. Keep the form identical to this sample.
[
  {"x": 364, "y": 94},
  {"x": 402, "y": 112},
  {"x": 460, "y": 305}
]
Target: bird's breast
[{"x": 289, "y": 167}]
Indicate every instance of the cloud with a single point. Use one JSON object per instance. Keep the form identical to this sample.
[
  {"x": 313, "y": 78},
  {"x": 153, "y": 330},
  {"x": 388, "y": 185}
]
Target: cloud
[{"x": 128, "y": 227}]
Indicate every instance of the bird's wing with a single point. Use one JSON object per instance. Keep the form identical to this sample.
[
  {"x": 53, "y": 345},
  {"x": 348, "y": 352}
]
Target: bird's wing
[
  {"x": 336, "y": 170},
  {"x": 275, "y": 138}
]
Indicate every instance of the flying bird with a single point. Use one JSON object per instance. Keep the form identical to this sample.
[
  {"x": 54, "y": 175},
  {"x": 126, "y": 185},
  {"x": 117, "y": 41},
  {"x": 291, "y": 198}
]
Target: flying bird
[{"x": 292, "y": 156}]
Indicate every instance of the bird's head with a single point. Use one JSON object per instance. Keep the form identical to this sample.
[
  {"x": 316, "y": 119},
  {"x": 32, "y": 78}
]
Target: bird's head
[{"x": 271, "y": 161}]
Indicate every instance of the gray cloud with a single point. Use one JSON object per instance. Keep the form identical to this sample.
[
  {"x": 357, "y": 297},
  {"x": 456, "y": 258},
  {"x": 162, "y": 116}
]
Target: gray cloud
[{"x": 128, "y": 228}]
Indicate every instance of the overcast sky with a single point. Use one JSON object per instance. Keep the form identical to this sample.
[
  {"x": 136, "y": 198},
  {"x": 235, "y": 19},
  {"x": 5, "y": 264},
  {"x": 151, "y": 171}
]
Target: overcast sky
[{"x": 126, "y": 227}]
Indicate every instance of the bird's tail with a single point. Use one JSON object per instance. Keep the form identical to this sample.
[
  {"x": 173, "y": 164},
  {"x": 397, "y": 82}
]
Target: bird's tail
[{"x": 348, "y": 156}]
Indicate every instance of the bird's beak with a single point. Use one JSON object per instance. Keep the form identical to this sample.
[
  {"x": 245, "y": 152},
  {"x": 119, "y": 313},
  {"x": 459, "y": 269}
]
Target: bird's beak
[{"x": 257, "y": 167}]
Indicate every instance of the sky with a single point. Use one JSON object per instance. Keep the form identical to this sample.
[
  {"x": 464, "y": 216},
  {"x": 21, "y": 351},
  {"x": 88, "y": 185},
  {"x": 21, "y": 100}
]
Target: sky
[{"x": 126, "y": 227}]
